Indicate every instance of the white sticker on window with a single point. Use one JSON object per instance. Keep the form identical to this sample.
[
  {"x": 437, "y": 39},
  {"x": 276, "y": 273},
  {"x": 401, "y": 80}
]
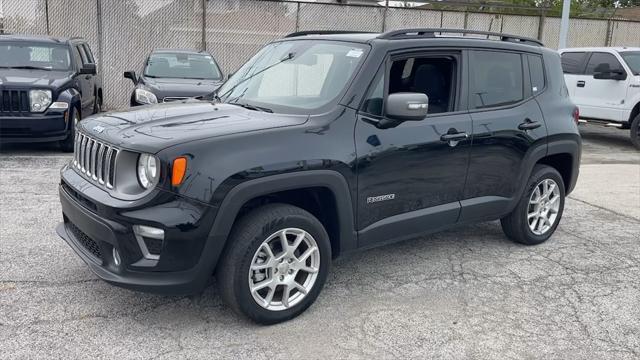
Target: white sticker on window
[
  {"x": 355, "y": 53},
  {"x": 535, "y": 88}
]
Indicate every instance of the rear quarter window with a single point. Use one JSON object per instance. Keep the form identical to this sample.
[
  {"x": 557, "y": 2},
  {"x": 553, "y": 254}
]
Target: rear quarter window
[
  {"x": 573, "y": 62},
  {"x": 536, "y": 71}
]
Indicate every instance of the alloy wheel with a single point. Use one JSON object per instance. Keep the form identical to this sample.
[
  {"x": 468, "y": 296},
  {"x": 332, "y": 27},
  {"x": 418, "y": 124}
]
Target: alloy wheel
[
  {"x": 284, "y": 269},
  {"x": 544, "y": 205}
]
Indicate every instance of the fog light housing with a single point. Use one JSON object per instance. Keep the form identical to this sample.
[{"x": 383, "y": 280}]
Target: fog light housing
[
  {"x": 116, "y": 257},
  {"x": 151, "y": 234}
]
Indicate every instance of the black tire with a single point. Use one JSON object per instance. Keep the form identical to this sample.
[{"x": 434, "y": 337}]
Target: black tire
[
  {"x": 97, "y": 104},
  {"x": 635, "y": 132},
  {"x": 67, "y": 145},
  {"x": 247, "y": 235},
  {"x": 516, "y": 224}
]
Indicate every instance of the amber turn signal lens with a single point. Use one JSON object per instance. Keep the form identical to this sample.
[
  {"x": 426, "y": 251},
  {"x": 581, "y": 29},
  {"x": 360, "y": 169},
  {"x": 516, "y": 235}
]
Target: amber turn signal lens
[{"x": 178, "y": 170}]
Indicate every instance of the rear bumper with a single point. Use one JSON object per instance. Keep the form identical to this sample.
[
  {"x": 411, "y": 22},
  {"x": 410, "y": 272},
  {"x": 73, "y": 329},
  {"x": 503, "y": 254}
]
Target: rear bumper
[
  {"x": 37, "y": 128},
  {"x": 180, "y": 268}
]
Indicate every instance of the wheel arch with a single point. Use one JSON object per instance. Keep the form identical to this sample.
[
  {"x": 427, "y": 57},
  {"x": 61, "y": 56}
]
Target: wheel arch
[
  {"x": 324, "y": 193},
  {"x": 564, "y": 156},
  {"x": 634, "y": 112}
]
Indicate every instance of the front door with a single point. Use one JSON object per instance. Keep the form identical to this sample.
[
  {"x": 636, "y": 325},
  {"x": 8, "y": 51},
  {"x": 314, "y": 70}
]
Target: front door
[
  {"x": 602, "y": 98},
  {"x": 411, "y": 176}
]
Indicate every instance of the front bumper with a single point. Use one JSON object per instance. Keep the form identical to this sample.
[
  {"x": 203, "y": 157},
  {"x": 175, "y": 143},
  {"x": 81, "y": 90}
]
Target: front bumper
[
  {"x": 93, "y": 229},
  {"x": 34, "y": 128}
]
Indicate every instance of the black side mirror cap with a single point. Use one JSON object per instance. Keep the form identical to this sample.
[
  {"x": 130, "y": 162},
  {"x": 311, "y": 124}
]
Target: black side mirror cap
[
  {"x": 131, "y": 75},
  {"x": 89, "y": 69}
]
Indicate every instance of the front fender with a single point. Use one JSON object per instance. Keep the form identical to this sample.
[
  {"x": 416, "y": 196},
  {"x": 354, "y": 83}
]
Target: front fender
[{"x": 72, "y": 97}]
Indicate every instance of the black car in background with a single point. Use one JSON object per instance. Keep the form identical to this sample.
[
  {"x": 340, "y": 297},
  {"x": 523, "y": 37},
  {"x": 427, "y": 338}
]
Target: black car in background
[
  {"x": 46, "y": 86},
  {"x": 171, "y": 74}
]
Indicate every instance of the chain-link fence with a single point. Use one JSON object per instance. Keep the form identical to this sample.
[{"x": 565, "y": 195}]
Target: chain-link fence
[{"x": 123, "y": 32}]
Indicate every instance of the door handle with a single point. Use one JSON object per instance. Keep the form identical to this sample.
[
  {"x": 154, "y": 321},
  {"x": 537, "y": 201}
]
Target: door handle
[
  {"x": 454, "y": 137},
  {"x": 581, "y": 83},
  {"x": 529, "y": 125}
]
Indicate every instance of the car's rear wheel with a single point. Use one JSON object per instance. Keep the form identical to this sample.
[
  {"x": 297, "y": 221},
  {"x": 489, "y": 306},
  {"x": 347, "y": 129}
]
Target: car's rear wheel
[
  {"x": 539, "y": 211},
  {"x": 67, "y": 144},
  {"x": 635, "y": 132},
  {"x": 276, "y": 264}
]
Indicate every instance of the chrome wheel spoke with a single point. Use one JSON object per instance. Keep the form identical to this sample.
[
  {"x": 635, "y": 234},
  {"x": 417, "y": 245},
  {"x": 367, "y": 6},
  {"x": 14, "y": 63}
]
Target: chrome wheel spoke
[
  {"x": 544, "y": 206},
  {"x": 273, "y": 277}
]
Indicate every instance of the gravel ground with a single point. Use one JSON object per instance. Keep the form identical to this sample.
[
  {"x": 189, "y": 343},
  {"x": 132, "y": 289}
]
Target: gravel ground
[{"x": 465, "y": 293}]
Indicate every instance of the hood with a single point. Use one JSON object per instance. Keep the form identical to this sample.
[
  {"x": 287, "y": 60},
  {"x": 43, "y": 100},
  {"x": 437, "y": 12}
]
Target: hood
[
  {"x": 163, "y": 87},
  {"x": 25, "y": 78},
  {"x": 155, "y": 127}
]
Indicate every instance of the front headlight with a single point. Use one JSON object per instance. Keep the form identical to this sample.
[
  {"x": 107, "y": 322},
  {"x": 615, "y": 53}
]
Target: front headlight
[
  {"x": 39, "y": 100},
  {"x": 145, "y": 97},
  {"x": 148, "y": 170}
]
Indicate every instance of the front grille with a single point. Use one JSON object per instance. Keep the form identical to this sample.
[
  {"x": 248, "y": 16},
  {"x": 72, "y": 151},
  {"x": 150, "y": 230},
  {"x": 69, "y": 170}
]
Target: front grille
[
  {"x": 173, "y": 98},
  {"x": 95, "y": 159},
  {"x": 88, "y": 243},
  {"x": 14, "y": 101}
]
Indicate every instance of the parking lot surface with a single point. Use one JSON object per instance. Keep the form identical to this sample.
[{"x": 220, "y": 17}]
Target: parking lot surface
[{"x": 464, "y": 293}]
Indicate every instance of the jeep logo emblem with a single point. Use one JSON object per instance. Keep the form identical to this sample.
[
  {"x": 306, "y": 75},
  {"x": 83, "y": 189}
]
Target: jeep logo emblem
[{"x": 98, "y": 129}]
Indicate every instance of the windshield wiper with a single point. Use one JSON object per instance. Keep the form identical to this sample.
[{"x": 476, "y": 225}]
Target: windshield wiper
[
  {"x": 219, "y": 97},
  {"x": 29, "y": 67},
  {"x": 252, "y": 107}
]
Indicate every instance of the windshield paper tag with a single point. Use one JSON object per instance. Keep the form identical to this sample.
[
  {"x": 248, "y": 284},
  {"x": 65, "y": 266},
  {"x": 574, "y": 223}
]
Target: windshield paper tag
[{"x": 354, "y": 53}]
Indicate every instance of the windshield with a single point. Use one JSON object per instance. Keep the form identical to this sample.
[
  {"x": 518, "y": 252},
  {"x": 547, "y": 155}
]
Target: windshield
[
  {"x": 29, "y": 55},
  {"x": 632, "y": 58},
  {"x": 182, "y": 66},
  {"x": 302, "y": 74}
]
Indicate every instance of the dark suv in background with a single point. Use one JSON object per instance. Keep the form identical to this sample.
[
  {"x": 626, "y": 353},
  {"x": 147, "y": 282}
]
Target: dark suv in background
[
  {"x": 319, "y": 145},
  {"x": 172, "y": 74},
  {"x": 46, "y": 86}
]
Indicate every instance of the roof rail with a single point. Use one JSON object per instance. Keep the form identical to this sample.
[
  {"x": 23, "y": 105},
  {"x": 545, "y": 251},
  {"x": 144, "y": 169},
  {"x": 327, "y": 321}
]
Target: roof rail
[
  {"x": 431, "y": 33},
  {"x": 324, "y": 32}
]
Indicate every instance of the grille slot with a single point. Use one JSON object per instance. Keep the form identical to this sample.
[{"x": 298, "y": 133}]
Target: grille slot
[
  {"x": 88, "y": 243},
  {"x": 14, "y": 101},
  {"x": 173, "y": 98},
  {"x": 95, "y": 159}
]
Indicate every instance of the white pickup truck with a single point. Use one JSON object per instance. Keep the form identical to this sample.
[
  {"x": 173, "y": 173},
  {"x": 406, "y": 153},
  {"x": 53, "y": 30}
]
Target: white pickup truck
[{"x": 604, "y": 82}]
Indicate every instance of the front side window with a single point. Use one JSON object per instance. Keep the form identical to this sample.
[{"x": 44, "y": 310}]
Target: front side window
[
  {"x": 632, "y": 58},
  {"x": 495, "y": 78},
  {"x": 296, "y": 75},
  {"x": 598, "y": 59},
  {"x": 182, "y": 66},
  {"x": 572, "y": 62},
  {"x": 433, "y": 76},
  {"x": 37, "y": 56}
]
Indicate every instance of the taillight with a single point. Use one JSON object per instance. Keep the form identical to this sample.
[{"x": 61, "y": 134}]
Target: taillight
[{"x": 576, "y": 115}]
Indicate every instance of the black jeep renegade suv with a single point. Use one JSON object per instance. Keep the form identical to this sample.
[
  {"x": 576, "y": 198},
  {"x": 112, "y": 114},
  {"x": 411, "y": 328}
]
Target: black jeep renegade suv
[
  {"x": 319, "y": 145},
  {"x": 47, "y": 85}
]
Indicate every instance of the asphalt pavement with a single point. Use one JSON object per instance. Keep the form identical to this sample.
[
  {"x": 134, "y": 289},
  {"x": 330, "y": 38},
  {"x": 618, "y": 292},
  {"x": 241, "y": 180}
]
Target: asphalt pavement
[{"x": 464, "y": 293}]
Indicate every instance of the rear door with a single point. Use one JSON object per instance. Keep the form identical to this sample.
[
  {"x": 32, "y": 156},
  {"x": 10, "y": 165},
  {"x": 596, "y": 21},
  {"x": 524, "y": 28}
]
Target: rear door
[
  {"x": 573, "y": 64},
  {"x": 507, "y": 127},
  {"x": 602, "y": 98}
]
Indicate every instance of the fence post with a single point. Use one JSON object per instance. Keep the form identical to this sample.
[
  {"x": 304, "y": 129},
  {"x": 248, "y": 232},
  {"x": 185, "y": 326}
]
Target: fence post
[
  {"x": 466, "y": 20},
  {"x": 541, "y": 20},
  {"x": 46, "y": 15},
  {"x": 100, "y": 45},
  {"x": 204, "y": 25},
  {"x": 298, "y": 16},
  {"x": 609, "y": 35},
  {"x": 384, "y": 15}
]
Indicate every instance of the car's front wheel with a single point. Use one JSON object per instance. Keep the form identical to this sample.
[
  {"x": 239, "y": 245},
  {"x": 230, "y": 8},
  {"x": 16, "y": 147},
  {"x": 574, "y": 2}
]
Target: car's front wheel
[
  {"x": 276, "y": 264},
  {"x": 67, "y": 144},
  {"x": 539, "y": 211},
  {"x": 635, "y": 132}
]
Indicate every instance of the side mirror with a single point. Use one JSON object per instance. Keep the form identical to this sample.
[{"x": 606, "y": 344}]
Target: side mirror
[
  {"x": 131, "y": 75},
  {"x": 603, "y": 72},
  {"x": 406, "y": 106},
  {"x": 89, "y": 69}
]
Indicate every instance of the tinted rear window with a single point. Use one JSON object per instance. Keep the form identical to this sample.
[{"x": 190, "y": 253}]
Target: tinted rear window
[{"x": 572, "y": 62}]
